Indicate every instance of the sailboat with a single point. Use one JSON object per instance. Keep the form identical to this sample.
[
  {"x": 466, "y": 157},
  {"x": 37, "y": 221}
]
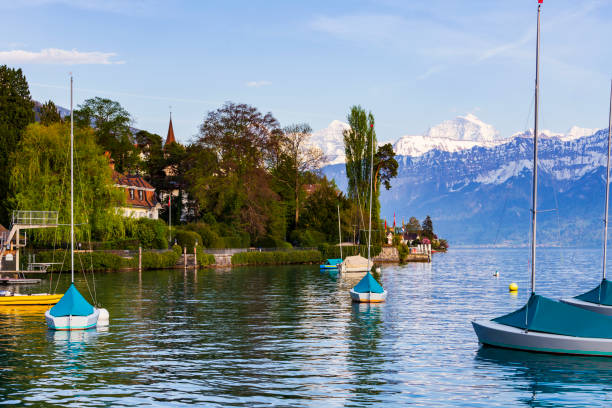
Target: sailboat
[
  {"x": 600, "y": 299},
  {"x": 368, "y": 290},
  {"x": 73, "y": 312},
  {"x": 546, "y": 325}
]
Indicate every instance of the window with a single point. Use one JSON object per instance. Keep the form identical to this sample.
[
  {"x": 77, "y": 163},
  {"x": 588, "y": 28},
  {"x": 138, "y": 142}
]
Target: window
[
  {"x": 140, "y": 195},
  {"x": 131, "y": 193}
]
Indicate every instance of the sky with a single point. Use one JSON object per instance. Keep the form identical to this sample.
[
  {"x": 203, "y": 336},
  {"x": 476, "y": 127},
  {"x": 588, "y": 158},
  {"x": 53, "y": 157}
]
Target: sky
[{"x": 412, "y": 63}]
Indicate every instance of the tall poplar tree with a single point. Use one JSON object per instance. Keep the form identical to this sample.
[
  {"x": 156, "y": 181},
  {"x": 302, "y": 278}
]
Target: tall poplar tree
[
  {"x": 358, "y": 148},
  {"x": 16, "y": 112}
]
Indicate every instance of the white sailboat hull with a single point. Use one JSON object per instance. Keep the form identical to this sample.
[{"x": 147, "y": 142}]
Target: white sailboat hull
[
  {"x": 593, "y": 307},
  {"x": 500, "y": 335},
  {"x": 72, "y": 322},
  {"x": 368, "y": 297}
]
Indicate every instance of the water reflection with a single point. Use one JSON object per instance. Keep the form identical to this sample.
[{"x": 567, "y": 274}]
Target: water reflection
[{"x": 546, "y": 378}]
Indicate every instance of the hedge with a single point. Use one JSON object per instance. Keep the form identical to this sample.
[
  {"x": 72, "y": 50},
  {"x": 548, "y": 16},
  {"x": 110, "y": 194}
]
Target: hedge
[
  {"x": 333, "y": 251},
  {"x": 276, "y": 257},
  {"x": 104, "y": 261}
]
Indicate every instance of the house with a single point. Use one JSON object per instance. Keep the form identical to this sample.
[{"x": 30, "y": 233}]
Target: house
[{"x": 140, "y": 199}]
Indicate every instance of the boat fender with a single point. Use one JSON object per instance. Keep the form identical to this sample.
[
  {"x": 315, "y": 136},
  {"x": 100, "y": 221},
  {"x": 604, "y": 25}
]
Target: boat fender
[
  {"x": 103, "y": 317},
  {"x": 513, "y": 287}
]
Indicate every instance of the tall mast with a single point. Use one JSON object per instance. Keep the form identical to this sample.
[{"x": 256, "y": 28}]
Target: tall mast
[
  {"x": 371, "y": 176},
  {"x": 339, "y": 232},
  {"x": 71, "y": 186},
  {"x": 535, "y": 161},
  {"x": 605, "y": 243}
]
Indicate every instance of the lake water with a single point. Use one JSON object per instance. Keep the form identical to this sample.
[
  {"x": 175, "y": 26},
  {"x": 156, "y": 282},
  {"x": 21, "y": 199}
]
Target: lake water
[{"x": 289, "y": 336}]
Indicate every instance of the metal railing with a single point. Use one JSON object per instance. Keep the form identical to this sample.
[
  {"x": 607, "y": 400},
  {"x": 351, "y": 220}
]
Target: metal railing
[{"x": 34, "y": 217}]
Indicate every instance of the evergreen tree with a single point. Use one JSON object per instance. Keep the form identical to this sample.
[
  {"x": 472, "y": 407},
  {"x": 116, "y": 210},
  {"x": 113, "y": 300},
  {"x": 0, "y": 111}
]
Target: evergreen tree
[
  {"x": 16, "y": 112},
  {"x": 427, "y": 228},
  {"x": 49, "y": 114}
]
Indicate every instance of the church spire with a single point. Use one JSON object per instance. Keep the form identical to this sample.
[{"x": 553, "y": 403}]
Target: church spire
[{"x": 170, "y": 138}]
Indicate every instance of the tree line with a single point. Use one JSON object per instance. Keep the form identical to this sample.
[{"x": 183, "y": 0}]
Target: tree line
[{"x": 243, "y": 180}]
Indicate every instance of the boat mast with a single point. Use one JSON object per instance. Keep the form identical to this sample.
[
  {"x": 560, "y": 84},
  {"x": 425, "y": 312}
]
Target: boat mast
[
  {"x": 535, "y": 160},
  {"x": 71, "y": 186},
  {"x": 339, "y": 232},
  {"x": 605, "y": 244},
  {"x": 371, "y": 177}
]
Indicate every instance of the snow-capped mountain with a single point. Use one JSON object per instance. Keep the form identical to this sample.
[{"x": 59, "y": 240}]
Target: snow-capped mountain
[
  {"x": 467, "y": 127},
  {"x": 331, "y": 141},
  {"x": 482, "y": 194},
  {"x": 463, "y": 132},
  {"x": 419, "y": 145}
]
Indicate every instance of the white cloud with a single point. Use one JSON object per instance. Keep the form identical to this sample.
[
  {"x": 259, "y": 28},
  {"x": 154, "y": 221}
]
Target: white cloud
[
  {"x": 257, "y": 84},
  {"x": 58, "y": 56}
]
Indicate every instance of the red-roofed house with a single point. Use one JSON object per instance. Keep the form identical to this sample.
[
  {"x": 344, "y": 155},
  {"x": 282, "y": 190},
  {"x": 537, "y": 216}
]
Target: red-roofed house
[{"x": 140, "y": 199}]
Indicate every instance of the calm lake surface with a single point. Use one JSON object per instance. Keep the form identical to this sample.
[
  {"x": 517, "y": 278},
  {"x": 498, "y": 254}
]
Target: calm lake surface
[{"x": 289, "y": 336}]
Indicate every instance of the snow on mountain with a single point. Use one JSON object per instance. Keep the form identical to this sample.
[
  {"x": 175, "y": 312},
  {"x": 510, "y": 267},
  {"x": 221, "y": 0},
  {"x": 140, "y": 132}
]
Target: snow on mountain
[
  {"x": 419, "y": 145},
  {"x": 467, "y": 127},
  {"x": 461, "y": 133},
  {"x": 576, "y": 132},
  {"x": 331, "y": 141}
]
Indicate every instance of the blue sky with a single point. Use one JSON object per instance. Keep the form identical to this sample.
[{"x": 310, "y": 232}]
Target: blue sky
[{"x": 413, "y": 63}]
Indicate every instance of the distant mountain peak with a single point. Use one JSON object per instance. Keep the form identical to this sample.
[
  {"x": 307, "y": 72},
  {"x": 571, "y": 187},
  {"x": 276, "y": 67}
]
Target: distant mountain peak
[{"x": 467, "y": 127}]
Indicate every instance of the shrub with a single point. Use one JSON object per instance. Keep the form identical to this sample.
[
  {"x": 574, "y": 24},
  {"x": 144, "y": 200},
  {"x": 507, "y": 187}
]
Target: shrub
[
  {"x": 187, "y": 238},
  {"x": 403, "y": 251},
  {"x": 150, "y": 233},
  {"x": 276, "y": 257},
  {"x": 155, "y": 260},
  {"x": 204, "y": 258}
]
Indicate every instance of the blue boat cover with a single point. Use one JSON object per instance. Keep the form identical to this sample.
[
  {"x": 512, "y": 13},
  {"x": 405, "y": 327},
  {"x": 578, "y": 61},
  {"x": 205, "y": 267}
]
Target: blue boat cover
[
  {"x": 72, "y": 304},
  {"x": 368, "y": 284},
  {"x": 601, "y": 295},
  {"x": 333, "y": 261},
  {"x": 550, "y": 316}
]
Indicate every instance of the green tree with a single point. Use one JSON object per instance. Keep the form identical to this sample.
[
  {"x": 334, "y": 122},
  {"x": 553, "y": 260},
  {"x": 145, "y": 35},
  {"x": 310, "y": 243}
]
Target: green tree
[
  {"x": 358, "y": 142},
  {"x": 427, "y": 228},
  {"x": 385, "y": 166},
  {"x": 296, "y": 158},
  {"x": 112, "y": 128},
  {"x": 16, "y": 112},
  {"x": 414, "y": 225},
  {"x": 49, "y": 114},
  {"x": 239, "y": 194},
  {"x": 321, "y": 212},
  {"x": 40, "y": 180}
]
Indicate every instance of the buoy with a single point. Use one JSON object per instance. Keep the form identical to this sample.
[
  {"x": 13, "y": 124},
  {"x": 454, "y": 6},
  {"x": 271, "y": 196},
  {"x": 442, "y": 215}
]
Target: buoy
[
  {"x": 513, "y": 287},
  {"x": 103, "y": 317},
  {"x": 378, "y": 269}
]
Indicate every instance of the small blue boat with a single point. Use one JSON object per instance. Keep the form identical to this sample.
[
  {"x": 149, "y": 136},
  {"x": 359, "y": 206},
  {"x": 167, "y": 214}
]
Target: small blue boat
[
  {"x": 330, "y": 264},
  {"x": 368, "y": 290}
]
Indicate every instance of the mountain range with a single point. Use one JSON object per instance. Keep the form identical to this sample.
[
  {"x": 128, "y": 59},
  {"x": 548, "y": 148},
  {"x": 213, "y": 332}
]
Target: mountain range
[{"x": 476, "y": 186}]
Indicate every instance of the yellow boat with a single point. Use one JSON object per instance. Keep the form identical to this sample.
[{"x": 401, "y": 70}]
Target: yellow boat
[{"x": 34, "y": 299}]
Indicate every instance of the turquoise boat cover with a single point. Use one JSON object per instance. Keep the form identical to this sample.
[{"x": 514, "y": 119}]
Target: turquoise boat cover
[
  {"x": 601, "y": 295},
  {"x": 333, "y": 261},
  {"x": 550, "y": 316},
  {"x": 72, "y": 304},
  {"x": 368, "y": 284}
]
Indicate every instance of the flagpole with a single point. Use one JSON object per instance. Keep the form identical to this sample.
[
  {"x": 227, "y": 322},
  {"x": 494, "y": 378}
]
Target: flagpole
[{"x": 71, "y": 185}]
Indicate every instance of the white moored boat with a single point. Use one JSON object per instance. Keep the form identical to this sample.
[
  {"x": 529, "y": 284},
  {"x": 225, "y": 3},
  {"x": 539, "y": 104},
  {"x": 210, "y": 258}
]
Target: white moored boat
[
  {"x": 73, "y": 312},
  {"x": 368, "y": 290}
]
